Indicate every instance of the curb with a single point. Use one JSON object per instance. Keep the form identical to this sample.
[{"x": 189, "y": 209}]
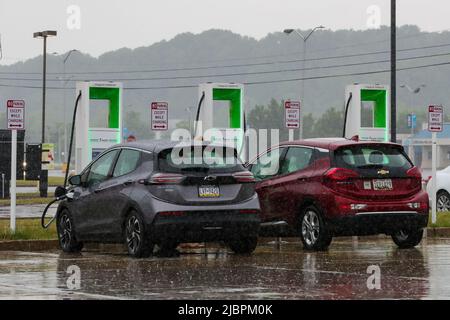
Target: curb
[
  {"x": 28, "y": 245},
  {"x": 438, "y": 232}
]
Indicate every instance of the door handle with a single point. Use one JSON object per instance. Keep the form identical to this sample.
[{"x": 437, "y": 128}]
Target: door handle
[
  {"x": 128, "y": 182},
  {"x": 99, "y": 190}
]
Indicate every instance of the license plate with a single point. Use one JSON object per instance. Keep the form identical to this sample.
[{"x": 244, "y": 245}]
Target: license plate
[
  {"x": 382, "y": 184},
  {"x": 208, "y": 192}
]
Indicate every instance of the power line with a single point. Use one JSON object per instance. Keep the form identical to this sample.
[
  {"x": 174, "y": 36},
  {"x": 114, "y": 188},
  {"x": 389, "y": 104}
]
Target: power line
[
  {"x": 242, "y": 65},
  {"x": 258, "y": 82},
  {"x": 243, "y": 73}
]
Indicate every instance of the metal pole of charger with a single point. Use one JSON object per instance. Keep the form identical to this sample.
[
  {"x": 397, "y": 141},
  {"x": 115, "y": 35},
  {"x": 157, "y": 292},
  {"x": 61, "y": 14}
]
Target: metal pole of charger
[
  {"x": 13, "y": 181},
  {"x": 433, "y": 176}
]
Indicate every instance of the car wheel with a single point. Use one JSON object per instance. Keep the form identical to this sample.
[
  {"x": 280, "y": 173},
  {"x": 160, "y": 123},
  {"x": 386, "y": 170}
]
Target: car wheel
[
  {"x": 443, "y": 201},
  {"x": 136, "y": 238},
  {"x": 406, "y": 239},
  {"x": 313, "y": 230},
  {"x": 244, "y": 245},
  {"x": 66, "y": 233}
]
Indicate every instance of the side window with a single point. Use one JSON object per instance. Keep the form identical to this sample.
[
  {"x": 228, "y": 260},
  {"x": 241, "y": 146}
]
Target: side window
[
  {"x": 127, "y": 162},
  {"x": 99, "y": 170},
  {"x": 268, "y": 165},
  {"x": 297, "y": 158}
]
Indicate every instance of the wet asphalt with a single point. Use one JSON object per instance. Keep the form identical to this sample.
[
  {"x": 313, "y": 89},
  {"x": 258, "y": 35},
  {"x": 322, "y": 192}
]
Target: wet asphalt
[{"x": 273, "y": 272}]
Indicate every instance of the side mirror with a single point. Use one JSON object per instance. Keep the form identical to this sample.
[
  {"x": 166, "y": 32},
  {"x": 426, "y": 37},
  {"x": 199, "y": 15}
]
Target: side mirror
[
  {"x": 60, "y": 191},
  {"x": 75, "y": 180}
]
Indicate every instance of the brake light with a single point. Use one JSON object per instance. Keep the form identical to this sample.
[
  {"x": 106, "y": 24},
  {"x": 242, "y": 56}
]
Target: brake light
[
  {"x": 414, "y": 172},
  {"x": 416, "y": 177},
  {"x": 166, "y": 178},
  {"x": 339, "y": 174},
  {"x": 171, "y": 213},
  {"x": 244, "y": 176}
]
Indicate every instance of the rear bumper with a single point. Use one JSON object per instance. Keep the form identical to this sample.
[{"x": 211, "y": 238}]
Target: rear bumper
[
  {"x": 371, "y": 223},
  {"x": 203, "y": 226}
]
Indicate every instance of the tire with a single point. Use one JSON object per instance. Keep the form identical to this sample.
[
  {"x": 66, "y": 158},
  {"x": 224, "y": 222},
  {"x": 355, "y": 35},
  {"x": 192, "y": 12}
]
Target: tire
[
  {"x": 443, "y": 201},
  {"x": 313, "y": 230},
  {"x": 137, "y": 240},
  {"x": 407, "y": 239},
  {"x": 66, "y": 233},
  {"x": 244, "y": 245}
]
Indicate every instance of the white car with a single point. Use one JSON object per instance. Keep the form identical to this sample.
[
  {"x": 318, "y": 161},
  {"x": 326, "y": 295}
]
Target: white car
[{"x": 443, "y": 189}]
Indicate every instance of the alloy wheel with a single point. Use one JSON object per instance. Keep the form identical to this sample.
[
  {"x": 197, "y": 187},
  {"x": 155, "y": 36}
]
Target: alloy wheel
[
  {"x": 310, "y": 227},
  {"x": 402, "y": 235},
  {"x": 65, "y": 231},
  {"x": 443, "y": 203},
  {"x": 133, "y": 234}
]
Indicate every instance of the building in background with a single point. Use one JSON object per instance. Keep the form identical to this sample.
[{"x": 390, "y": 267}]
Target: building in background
[{"x": 421, "y": 148}]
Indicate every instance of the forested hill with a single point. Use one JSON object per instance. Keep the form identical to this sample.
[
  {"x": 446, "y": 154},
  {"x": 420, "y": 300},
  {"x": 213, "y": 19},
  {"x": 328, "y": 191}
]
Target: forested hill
[{"x": 171, "y": 70}]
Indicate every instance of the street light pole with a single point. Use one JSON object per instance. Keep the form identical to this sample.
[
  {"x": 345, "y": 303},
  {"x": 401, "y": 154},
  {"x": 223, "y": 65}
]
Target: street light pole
[
  {"x": 43, "y": 177},
  {"x": 305, "y": 39},
  {"x": 393, "y": 71}
]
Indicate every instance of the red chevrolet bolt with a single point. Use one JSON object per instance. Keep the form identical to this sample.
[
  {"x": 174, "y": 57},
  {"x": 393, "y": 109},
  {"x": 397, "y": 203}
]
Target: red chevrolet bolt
[{"x": 318, "y": 189}]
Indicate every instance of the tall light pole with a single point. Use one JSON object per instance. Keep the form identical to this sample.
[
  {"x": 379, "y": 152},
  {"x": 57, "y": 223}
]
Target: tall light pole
[
  {"x": 413, "y": 92},
  {"x": 43, "y": 177},
  {"x": 393, "y": 71},
  {"x": 305, "y": 39}
]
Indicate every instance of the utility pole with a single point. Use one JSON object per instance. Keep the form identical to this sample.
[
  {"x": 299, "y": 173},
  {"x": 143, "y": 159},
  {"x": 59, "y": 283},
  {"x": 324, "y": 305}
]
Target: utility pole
[{"x": 393, "y": 72}]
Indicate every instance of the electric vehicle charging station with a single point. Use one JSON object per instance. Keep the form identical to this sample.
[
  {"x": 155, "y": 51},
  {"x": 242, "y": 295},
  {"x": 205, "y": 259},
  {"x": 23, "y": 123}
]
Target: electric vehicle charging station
[
  {"x": 91, "y": 141},
  {"x": 220, "y": 116},
  {"x": 367, "y": 112}
]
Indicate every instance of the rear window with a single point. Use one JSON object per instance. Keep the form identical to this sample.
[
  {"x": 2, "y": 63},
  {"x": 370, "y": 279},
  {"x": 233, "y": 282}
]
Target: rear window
[
  {"x": 199, "y": 159},
  {"x": 371, "y": 157}
]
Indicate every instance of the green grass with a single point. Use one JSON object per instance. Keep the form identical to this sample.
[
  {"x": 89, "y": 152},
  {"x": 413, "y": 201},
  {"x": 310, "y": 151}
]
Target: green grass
[
  {"x": 27, "y": 229},
  {"x": 52, "y": 182},
  {"x": 442, "y": 220}
]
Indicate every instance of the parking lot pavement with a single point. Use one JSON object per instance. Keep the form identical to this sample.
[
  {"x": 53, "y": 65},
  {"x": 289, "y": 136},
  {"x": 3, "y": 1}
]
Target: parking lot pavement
[{"x": 346, "y": 271}]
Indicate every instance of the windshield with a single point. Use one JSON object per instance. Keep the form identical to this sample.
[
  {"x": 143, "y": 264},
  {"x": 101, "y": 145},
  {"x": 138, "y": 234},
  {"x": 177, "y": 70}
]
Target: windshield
[{"x": 200, "y": 159}]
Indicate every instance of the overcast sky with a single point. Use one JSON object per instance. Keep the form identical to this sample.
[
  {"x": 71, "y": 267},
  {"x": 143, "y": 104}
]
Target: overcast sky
[{"x": 111, "y": 24}]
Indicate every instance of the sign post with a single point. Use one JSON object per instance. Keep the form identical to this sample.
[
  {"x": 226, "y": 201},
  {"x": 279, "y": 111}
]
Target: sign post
[
  {"x": 435, "y": 124},
  {"x": 292, "y": 116},
  {"x": 160, "y": 116},
  {"x": 16, "y": 121}
]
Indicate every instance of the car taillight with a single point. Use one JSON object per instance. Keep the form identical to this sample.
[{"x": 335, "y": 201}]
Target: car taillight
[
  {"x": 166, "y": 178},
  {"x": 171, "y": 213},
  {"x": 340, "y": 174},
  {"x": 244, "y": 176},
  {"x": 416, "y": 177},
  {"x": 414, "y": 172}
]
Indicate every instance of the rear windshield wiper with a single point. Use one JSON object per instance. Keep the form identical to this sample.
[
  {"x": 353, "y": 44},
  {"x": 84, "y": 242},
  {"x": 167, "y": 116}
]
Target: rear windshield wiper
[
  {"x": 195, "y": 169},
  {"x": 370, "y": 166}
]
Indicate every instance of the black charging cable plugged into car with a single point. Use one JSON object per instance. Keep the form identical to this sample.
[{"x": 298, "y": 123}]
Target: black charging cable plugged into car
[{"x": 62, "y": 193}]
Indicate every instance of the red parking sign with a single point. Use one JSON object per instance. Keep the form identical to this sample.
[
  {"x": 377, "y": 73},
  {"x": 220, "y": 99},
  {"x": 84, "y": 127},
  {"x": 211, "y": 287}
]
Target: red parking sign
[
  {"x": 160, "y": 116},
  {"x": 435, "y": 118},
  {"x": 15, "y": 110}
]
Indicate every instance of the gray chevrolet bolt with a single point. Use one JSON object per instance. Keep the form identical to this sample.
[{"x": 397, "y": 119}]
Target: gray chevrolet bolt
[{"x": 161, "y": 193}]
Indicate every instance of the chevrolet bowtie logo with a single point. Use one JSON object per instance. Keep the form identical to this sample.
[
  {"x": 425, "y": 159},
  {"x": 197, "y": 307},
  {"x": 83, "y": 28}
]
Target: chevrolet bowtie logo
[{"x": 383, "y": 172}]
